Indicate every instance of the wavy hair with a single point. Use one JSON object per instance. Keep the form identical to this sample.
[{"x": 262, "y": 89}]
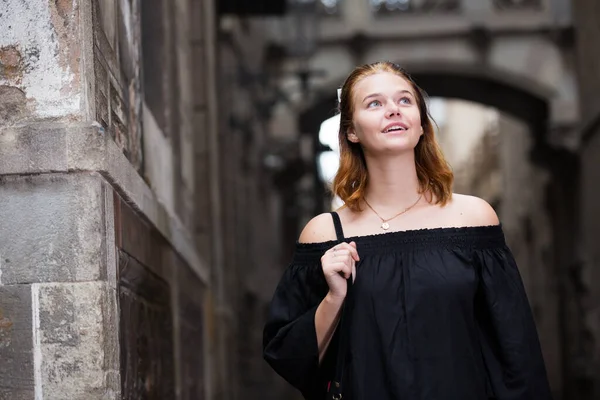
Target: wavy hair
[{"x": 351, "y": 180}]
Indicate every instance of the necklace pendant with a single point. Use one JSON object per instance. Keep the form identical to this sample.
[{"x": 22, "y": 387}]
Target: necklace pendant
[{"x": 385, "y": 226}]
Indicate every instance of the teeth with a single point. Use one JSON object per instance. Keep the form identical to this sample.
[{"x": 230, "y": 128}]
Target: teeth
[{"x": 395, "y": 128}]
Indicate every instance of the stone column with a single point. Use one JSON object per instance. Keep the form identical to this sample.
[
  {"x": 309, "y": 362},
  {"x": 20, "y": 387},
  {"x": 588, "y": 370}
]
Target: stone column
[
  {"x": 102, "y": 291},
  {"x": 57, "y": 271},
  {"x": 58, "y": 299}
]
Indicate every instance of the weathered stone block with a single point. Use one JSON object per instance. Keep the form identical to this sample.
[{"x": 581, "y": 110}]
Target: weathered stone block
[
  {"x": 83, "y": 148},
  {"x": 13, "y": 104},
  {"x": 141, "y": 240},
  {"x": 42, "y": 47},
  {"x": 16, "y": 344},
  {"x": 11, "y": 63},
  {"x": 34, "y": 148},
  {"x": 52, "y": 228},
  {"x": 76, "y": 341}
]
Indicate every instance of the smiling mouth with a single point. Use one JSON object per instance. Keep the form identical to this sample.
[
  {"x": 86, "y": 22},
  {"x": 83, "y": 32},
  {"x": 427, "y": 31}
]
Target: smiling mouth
[{"x": 394, "y": 129}]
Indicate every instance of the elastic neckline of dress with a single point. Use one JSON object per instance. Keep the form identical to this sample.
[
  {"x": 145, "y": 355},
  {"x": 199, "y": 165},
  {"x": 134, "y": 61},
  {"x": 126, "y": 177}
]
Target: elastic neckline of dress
[{"x": 473, "y": 236}]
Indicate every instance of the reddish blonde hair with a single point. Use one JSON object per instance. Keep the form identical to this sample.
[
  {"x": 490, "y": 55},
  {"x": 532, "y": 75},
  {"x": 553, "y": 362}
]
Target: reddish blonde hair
[{"x": 351, "y": 180}]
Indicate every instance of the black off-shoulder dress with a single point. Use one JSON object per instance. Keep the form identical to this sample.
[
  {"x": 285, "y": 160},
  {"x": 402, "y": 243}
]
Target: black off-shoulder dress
[{"x": 436, "y": 314}]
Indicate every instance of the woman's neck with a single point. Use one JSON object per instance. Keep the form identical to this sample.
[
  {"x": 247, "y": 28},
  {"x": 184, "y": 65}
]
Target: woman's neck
[{"x": 393, "y": 182}]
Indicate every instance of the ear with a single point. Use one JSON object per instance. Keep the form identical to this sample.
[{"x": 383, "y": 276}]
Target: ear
[
  {"x": 422, "y": 131},
  {"x": 351, "y": 135}
]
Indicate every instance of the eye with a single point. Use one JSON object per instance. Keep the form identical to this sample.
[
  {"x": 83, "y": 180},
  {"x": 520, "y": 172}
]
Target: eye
[
  {"x": 374, "y": 103},
  {"x": 405, "y": 100}
]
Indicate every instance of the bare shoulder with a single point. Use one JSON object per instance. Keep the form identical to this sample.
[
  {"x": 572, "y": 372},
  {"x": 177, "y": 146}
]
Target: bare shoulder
[
  {"x": 319, "y": 229},
  {"x": 474, "y": 211}
]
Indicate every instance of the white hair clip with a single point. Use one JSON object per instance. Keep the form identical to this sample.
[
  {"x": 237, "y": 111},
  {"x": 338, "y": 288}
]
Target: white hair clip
[{"x": 339, "y": 93}]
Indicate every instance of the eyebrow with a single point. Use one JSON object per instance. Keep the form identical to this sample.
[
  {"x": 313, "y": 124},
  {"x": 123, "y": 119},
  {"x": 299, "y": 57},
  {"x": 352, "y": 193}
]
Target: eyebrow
[{"x": 379, "y": 94}]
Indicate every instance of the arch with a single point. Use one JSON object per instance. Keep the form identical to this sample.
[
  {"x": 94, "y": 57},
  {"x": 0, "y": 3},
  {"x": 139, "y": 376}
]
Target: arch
[{"x": 483, "y": 72}]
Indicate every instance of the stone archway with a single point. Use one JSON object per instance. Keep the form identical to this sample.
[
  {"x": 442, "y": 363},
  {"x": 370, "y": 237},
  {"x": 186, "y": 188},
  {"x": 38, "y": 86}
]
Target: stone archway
[{"x": 513, "y": 95}]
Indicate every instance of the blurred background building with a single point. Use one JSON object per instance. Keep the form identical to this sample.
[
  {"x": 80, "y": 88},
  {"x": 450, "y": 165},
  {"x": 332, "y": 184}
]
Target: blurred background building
[{"x": 159, "y": 158}]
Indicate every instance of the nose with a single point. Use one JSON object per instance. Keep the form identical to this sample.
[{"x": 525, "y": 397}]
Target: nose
[{"x": 393, "y": 110}]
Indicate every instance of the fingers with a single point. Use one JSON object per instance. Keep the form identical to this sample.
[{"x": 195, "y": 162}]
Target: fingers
[
  {"x": 354, "y": 251},
  {"x": 340, "y": 264},
  {"x": 346, "y": 270},
  {"x": 341, "y": 259},
  {"x": 349, "y": 247},
  {"x": 350, "y": 270}
]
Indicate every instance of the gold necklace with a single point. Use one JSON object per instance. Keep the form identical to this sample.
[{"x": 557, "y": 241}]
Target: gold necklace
[{"x": 384, "y": 222}]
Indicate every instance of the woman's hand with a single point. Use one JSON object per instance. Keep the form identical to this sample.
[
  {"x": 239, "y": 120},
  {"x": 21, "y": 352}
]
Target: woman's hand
[{"x": 339, "y": 263}]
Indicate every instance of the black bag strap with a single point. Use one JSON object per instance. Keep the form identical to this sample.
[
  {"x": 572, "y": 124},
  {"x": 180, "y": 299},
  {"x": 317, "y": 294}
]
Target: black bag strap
[{"x": 335, "y": 386}]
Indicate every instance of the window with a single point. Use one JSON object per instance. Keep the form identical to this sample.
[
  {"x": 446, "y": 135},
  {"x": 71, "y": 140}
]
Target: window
[
  {"x": 507, "y": 5},
  {"x": 329, "y": 7},
  {"x": 155, "y": 53},
  {"x": 383, "y": 7}
]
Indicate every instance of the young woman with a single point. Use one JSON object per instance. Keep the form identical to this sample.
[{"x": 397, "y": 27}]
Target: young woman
[{"x": 438, "y": 310}]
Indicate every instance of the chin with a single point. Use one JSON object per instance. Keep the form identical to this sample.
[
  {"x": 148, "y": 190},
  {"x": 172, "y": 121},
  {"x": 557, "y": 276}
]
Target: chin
[
  {"x": 400, "y": 142},
  {"x": 399, "y": 148}
]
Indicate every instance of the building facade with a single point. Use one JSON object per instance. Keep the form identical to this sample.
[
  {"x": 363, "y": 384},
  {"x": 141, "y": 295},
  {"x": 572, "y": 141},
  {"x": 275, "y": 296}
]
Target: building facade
[{"x": 109, "y": 200}]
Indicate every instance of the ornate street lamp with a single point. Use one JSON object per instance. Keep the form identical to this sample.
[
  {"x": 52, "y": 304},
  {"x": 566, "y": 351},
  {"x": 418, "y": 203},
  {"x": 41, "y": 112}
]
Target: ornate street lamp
[
  {"x": 304, "y": 27},
  {"x": 303, "y": 18}
]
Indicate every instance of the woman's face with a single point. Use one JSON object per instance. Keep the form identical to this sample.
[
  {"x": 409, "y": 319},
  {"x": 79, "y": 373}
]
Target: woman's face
[{"x": 386, "y": 116}]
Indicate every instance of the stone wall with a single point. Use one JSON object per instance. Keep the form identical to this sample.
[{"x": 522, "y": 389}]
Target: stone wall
[
  {"x": 584, "y": 332},
  {"x": 94, "y": 270},
  {"x": 527, "y": 222},
  {"x": 161, "y": 318},
  {"x": 58, "y": 336},
  {"x": 586, "y": 14},
  {"x": 40, "y": 68},
  {"x": 589, "y": 275},
  {"x": 104, "y": 293},
  {"x": 98, "y": 332},
  {"x": 115, "y": 83}
]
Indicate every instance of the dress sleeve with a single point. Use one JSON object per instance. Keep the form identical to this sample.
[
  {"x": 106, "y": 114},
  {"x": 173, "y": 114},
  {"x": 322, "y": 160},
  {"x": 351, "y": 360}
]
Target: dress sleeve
[
  {"x": 289, "y": 337},
  {"x": 510, "y": 344}
]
